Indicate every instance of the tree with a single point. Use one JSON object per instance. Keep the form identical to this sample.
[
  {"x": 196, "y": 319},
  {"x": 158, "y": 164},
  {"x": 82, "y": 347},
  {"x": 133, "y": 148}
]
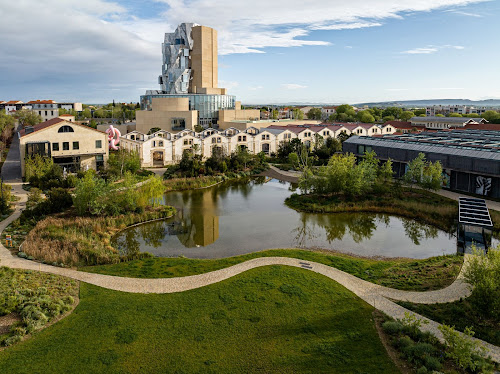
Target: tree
[
  {"x": 482, "y": 273},
  {"x": 454, "y": 115},
  {"x": 424, "y": 174},
  {"x": 297, "y": 114},
  {"x": 365, "y": 116},
  {"x": 27, "y": 117},
  {"x": 419, "y": 112},
  {"x": 123, "y": 160},
  {"x": 406, "y": 115},
  {"x": 389, "y": 118},
  {"x": 34, "y": 198},
  {"x": 152, "y": 190},
  {"x": 344, "y": 108},
  {"x": 275, "y": 114},
  {"x": 89, "y": 195},
  {"x": 392, "y": 111},
  {"x": 491, "y": 116},
  {"x": 314, "y": 113}
]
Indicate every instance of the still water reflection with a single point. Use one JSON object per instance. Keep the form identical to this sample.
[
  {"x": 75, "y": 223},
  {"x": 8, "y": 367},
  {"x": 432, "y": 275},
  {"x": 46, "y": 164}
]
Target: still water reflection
[{"x": 241, "y": 217}]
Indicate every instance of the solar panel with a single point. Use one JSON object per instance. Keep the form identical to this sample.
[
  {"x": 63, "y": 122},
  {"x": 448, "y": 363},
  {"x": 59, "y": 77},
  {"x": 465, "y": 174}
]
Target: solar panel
[{"x": 472, "y": 211}]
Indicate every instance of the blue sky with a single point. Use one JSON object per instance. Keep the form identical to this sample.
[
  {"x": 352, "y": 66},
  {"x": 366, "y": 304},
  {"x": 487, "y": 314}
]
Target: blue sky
[{"x": 321, "y": 51}]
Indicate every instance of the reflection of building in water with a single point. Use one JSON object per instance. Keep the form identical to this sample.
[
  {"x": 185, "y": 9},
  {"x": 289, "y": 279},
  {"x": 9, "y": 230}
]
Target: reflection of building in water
[{"x": 201, "y": 223}]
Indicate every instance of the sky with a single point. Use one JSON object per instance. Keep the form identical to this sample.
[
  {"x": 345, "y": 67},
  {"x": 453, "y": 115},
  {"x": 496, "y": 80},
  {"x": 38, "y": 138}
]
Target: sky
[{"x": 280, "y": 51}]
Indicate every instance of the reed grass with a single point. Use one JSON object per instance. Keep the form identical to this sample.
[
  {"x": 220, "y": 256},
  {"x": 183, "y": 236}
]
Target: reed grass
[{"x": 72, "y": 241}]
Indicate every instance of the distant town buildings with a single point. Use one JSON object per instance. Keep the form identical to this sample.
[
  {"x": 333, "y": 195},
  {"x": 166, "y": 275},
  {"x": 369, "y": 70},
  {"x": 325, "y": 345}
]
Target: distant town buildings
[
  {"x": 72, "y": 146},
  {"x": 47, "y": 109},
  {"x": 470, "y": 158},
  {"x": 458, "y": 109}
]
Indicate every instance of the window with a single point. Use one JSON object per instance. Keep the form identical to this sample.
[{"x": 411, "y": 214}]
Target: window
[
  {"x": 185, "y": 142},
  {"x": 244, "y": 138},
  {"x": 178, "y": 123},
  {"x": 76, "y": 145},
  {"x": 46, "y": 113},
  {"x": 98, "y": 143},
  {"x": 239, "y": 138},
  {"x": 132, "y": 137},
  {"x": 361, "y": 149},
  {"x": 55, "y": 146},
  {"x": 263, "y": 137},
  {"x": 219, "y": 140},
  {"x": 65, "y": 128},
  {"x": 214, "y": 140},
  {"x": 160, "y": 143},
  {"x": 65, "y": 146},
  {"x": 51, "y": 112}
]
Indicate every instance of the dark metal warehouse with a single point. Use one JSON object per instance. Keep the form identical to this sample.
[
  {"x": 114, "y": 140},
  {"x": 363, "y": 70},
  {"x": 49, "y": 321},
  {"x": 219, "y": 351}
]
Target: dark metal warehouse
[{"x": 470, "y": 158}]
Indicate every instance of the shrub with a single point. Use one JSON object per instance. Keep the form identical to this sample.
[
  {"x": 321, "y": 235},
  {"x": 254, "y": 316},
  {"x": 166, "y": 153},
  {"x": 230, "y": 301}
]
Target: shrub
[
  {"x": 482, "y": 273},
  {"x": 432, "y": 363},
  {"x": 465, "y": 351},
  {"x": 412, "y": 324},
  {"x": 392, "y": 327},
  {"x": 404, "y": 341}
]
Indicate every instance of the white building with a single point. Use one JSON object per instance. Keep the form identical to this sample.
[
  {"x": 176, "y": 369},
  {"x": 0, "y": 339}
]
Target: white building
[{"x": 164, "y": 148}]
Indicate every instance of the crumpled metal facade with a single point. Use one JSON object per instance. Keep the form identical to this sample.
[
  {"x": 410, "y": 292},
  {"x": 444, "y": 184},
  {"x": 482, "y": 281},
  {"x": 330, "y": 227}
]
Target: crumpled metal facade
[{"x": 176, "y": 72}]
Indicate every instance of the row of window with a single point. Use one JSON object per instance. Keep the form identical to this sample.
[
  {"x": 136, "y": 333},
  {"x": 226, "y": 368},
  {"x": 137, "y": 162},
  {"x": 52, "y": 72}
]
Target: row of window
[{"x": 76, "y": 145}]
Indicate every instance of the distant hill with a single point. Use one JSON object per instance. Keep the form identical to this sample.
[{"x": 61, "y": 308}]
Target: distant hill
[{"x": 423, "y": 103}]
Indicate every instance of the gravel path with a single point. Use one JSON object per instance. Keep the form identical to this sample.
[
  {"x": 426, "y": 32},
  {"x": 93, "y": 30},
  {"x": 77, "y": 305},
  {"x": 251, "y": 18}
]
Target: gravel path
[{"x": 378, "y": 296}]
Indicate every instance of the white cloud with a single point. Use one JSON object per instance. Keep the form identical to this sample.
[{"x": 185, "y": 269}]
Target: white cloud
[
  {"x": 73, "y": 48},
  {"x": 250, "y": 26},
  {"x": 432, "y": 49},
  {"x": 228, "y": 84},
  {"x": 256, "y": 88},
  {"x": 462, "y": 13},
  {"x": 346, "y": 26},
  {"x": 292, "y": 86}
]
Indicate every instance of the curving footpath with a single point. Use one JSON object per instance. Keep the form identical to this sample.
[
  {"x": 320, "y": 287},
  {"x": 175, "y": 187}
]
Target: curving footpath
[{"x": 378, "y": 296}]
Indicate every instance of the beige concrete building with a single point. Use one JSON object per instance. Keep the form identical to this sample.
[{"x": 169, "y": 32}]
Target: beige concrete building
[
  {"x": 189, "y": 94},
  {"x": 169, "y": 114},
  {"x": 72, "y": 146}
]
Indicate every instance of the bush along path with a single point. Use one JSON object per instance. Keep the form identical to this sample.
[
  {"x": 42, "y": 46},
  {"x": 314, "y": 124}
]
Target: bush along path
[{"x": 378, "y": 296}]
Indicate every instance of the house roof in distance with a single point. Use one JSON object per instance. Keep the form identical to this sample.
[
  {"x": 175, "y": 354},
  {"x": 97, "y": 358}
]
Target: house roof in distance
[
  {"x": 41, "y": 102},
  {"x": 457, "y": 120},
  {"x": 51, "y": 122}
]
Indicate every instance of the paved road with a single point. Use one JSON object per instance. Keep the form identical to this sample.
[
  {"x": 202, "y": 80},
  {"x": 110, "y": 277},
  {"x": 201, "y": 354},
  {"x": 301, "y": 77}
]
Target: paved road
[
  {"x": 158, "y": 171},
  {"x": 11, "y": 169}
]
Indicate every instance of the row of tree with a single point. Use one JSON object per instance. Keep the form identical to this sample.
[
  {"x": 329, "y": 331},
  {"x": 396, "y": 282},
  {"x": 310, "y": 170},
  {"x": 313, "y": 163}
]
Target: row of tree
[
  {"x": 192, "y": 165},
  {"x": 345, "y": 175},
  {"x": 346, "y": 113}
]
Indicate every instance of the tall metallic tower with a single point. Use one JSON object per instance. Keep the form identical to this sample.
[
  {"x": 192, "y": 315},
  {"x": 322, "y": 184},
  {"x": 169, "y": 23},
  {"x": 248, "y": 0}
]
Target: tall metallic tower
[{"x": 189, "y": 60}]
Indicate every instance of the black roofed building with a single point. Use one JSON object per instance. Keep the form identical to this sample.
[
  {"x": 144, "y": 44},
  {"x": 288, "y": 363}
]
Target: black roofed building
[{"x": 470, "y": 158}]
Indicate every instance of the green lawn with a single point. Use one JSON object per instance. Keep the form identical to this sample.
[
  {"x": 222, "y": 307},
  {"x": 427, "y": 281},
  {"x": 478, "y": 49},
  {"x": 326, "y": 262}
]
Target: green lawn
[
  {"x": 271, "y": 319},
  {"x": 422, "y": 275}
]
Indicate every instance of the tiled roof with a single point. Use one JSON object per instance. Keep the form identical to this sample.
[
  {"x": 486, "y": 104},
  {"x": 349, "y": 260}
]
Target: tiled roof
[
  {"x": 41, "y": 102},
  {"x": 53, "y": 121},
  {"x": 66, "y": 115},
  {"x": 400, "y": 124},
  {"x": 446, "y": 119},
  {"x": 14, "y": 102}
]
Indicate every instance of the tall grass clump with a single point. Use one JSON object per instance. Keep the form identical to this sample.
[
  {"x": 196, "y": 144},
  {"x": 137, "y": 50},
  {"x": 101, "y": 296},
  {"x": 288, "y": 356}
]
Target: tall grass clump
[{"x": 76, "y": 241}]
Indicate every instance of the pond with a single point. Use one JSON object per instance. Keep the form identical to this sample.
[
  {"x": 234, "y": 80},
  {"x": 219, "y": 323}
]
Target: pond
[{"x": 235, "y": 218}]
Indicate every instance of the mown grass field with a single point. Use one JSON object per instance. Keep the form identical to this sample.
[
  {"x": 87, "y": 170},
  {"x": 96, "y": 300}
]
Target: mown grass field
[
  {"x": 267, "y": 320},
  {"x": 406, "y": 274}
]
